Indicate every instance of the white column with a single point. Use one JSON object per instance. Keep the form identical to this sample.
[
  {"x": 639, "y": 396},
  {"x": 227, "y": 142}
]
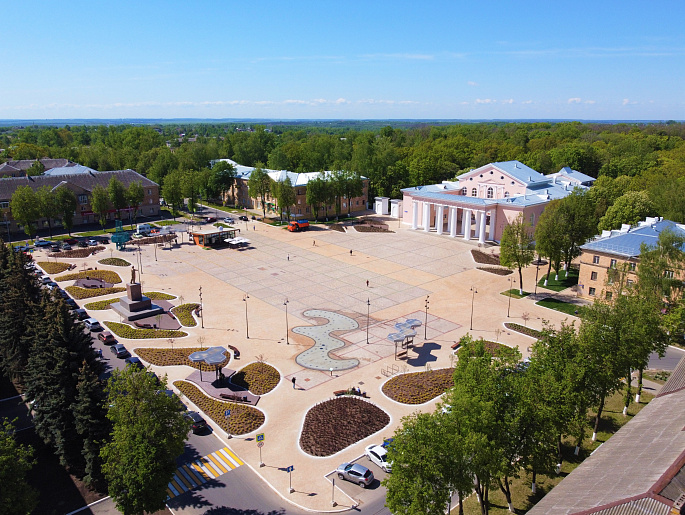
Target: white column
[
  {"x": 493, "y": 223},
  {"x": 426, "y": 216},
  {"x": 453, "y": 222},
  {"x": 481, "y": 232},
  {"x": 466, "y": 223},
  {"x": 439, "y": 215},
  {"x": 414, "y": 214},
  {"x": 476, "y": 215}
]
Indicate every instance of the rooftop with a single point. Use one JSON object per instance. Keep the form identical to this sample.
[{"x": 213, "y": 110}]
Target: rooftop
[{"x": 626, "y": 242}]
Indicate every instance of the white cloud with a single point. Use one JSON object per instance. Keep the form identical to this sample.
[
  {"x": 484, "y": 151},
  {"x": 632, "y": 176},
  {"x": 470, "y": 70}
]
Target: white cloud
[
  {"x": 485, "y": 101},
  {"x": 590, "y": 102},
  {"x": 527, "y": 102},
  {"x": 412, "y": 57},
  {"x": 574, "y": 100},
  {"x": 508, "y": 101},
  {"x": 471, "y": 83}
]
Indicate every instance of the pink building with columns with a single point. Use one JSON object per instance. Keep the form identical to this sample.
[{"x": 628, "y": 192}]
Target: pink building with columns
[{"x": 480, "y": 203}]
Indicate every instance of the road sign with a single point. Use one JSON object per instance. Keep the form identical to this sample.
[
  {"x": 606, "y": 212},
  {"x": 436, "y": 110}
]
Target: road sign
[
  {"x": 260, "y": 444},
  {"x": 290, "y": 468},
  {"x": 227, "y": 413},
  {"x": 260, "y": 437}
]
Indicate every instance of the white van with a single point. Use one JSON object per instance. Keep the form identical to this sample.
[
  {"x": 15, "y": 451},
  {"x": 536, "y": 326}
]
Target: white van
[{"x": 143, "y": 229}]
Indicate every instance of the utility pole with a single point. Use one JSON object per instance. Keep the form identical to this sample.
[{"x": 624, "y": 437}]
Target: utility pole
[
  {"x": 287, "y": 327},
  {"x": 247, "y": 323}
]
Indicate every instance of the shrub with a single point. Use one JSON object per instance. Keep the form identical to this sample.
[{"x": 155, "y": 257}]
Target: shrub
[
  {"x": 523, "y": 329},
  {"x": 419, "y": 387},
  {"x": 53, "y": 267},
  {"x": 259, "y": 378},
  {"x": 126, "y": 331},
  {"x": 244, "y": 419},
  {"x": 114, "y": 262},
  {"x": 184, "y": 313},
  {"x": 86, "y": 293},
  {"x": 156, "y": 295},
  {"x": 106, "y": 275},
  {"x": 100, "y": 304},
  {"x": 77, "y": 253},
  {"x": 173, "y": 357},
  {"x": 338, "y": 423}
]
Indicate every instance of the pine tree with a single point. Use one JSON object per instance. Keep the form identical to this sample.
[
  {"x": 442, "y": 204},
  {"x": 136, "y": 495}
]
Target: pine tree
[{"x": 16, "y": 496}]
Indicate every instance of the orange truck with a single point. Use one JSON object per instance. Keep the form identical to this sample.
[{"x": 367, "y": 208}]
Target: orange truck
[{"x": 298, "y": 225}]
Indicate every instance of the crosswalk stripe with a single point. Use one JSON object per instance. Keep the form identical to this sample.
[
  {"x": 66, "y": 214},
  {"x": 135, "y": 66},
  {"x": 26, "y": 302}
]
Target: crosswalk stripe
[
  {"x": 200, "y": 471},
  {"x": 204, "y": 464},
  {"x": 224, "y": 461},
  {"x": 231, "y": 457},
  {"x": 217, "y": 463},
  {"x": 169, "y": 493},
  {"x": 173, "y": 490},
  {"x": 181, "y": 480},
  {"x": 176, "y": 487},
  {"x": 193, "y": 474},
  {"x": 189, "y": 476}
]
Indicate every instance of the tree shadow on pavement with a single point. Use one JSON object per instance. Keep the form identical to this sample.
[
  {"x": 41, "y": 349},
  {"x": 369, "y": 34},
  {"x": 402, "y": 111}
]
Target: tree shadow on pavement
[
  {"x": 423, "y": 354},
  {"x": 225, "y": 510}
]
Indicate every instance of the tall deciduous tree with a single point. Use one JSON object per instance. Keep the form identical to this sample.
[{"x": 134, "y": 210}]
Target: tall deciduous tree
[
  {"x": 353, "y": 186},
  {"x": 223, "y": 177},
  {"x": 135, "y": 196},
  {"x": 99, "y": 203},
  {"x": 578, "y": 223},
  {"x": 259, "y": 185},
  {"x": 549, "y": 237},
  {"x": 190, "y": 184},
  {"x": 66, "y": 205},
  {"x": 316, "y": 194},
  {"x": 17, "y": 497},
  {"x": 148, "y": 435},
  {"x": 516, "y": 247},
  {"x": 117, "y": 195},
  {"x": 285, "y": 196},
  {"x": 47, "y": 205},
  {"x": 172, "y": 190},
  {"x": 25, "y": 209},
  {"x": 629, "y": 209}
]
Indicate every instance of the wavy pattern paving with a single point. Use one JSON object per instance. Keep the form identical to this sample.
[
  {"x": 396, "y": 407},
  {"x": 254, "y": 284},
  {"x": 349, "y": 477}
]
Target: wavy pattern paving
[{"x": 317, "y": 357}]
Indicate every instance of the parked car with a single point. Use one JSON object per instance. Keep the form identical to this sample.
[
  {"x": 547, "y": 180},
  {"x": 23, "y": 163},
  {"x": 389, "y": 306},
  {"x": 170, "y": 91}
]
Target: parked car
[
  {"x": 71, "y": 241},
  {"x": 92, "y": 324},
  {"x": 355, "y": 473},
  {"x": 229, "y": 220},
  {"x": 243, "y": 218},
  {"x": 54, "y": 247},
  {"x": 107, "y": 337},
  {"x": 210, "y": 219},
  {"x": 81, "y": 313},
  {"x": 83, "y": 243},
  {"x": 65, "y": 246},
  {"x": 52, "y": 285},
  {"x": 71, "y": 303},
  {"x": 92, "y": 243},
  {"x": 378, "y": 456},
  {"x": 134, "y": 361},
  {"x": 45, "y": 279},
  {"x": 42, "y": 243},
  {"x": 120, "y": 351},
  {"x": 198, "y": 424},
  {"x": 62, "y": 293},
  {"x": 103, "y": 240}
]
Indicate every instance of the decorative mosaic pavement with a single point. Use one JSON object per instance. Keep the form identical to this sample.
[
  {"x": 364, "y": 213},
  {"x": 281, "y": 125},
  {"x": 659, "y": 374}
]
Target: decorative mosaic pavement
[{"x": 317, "y": 357}]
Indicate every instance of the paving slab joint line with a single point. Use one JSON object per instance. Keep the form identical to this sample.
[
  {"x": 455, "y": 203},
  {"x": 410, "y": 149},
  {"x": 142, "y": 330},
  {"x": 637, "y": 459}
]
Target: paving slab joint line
[{"x": 89, "y": 505}]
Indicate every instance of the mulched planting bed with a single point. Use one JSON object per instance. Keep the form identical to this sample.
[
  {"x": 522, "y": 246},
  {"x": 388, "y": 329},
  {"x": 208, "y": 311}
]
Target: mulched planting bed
[
  {"x": 485, "y": 258},
  {"x": 105, "y": 275},
  {"x": 244, "y": 419},
  {"x": 259, "y": 378},
  {"x": 156, "y": 295},
  {"x": 337, "y": 227},
  {"x": 371, "y": 228},
  {"x": 126, "y": 331},
  {"x": 419, "y": 387},
  {"x": 523, "y": 329},
  {"x": 53, "y": 267},
  {"x": 335, "y": 424},
  {"x": 100, "y": 304},
  {"x": 172, "y": 357},
  {"x": 496, "y": 271},
  {"x": 114, "y": 262},
  {"x": 184, "y": 314},
  {"x": 77, "y": 253},
  {"x": 86, "y": 293}
]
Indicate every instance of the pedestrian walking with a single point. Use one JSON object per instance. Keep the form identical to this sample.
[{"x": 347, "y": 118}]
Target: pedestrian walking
[
  {"x": 367, "y": 283},
  {"x": 254, "y": 227},
  {"x": 288, "y": 257},
  {"x": 350, "y": 252},
  {"x": 293, "y": 383},
  {"x": 313, "y": 243}
]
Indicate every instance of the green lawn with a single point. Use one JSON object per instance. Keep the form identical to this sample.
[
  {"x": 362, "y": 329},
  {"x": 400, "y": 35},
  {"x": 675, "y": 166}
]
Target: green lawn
[
  {"x": 559, "y": 305},
  {"x": 515, "y": 293},
  {"x": 565, "y": 280}
]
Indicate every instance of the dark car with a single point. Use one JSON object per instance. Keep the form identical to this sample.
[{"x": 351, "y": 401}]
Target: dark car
[
  {"x": 120, "y": 351},
  {"x": 54, "y": 247},
  {"x": 243, "y": 218},
  {"x": 71, "y": 241},
  {"x": 210, "y": 219},
  {"x": 81, "y": 314},
  {"x": 103, "y": 239},
  {"x": 62, "y": 293},
  {"x": 83, "y": 243},
  {"x": 107, "y": 338},
  {"x": 133, "y": 361},
  {"x": 71, "y": 303},
  {"x": 198, "y": 424},
  {"x": 65, "y": 246}
]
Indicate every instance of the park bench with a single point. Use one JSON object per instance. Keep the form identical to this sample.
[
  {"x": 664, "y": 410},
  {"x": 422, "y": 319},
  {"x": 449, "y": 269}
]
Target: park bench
[
  {"x": 235, "y": 398},
  {"x": 236, "y": 352},
  {"x": 350, "y": 391},
  {"x": 143, "y": 326},
  {"x": 402, "y": 354},
  {"x": 456, "y": 345}
]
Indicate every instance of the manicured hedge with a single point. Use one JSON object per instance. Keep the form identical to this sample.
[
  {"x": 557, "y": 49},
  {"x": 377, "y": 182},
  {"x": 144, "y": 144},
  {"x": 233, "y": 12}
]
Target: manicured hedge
[
  {"x": 496, "y": 271},
  {"x": 86, "y": 293},
  {"x": 156, "y": 295},
  {"x": 77, "y": 253},
  {"x": 184, "y": 314},
  {"x": 100, "y": 304},
  {"x": 114, "y": 262},
  {"x": 259, "y": 378},
  {"x": 244, "y": 419},
  {"x": 523, "y": 329},
  {"x": 419, "y": 387},
  {"x": 105, "y": 275},
  {"x": 172, "y": 357},
  {"x": 126, "y": 331},
  {"x": 52, "y": 267}
]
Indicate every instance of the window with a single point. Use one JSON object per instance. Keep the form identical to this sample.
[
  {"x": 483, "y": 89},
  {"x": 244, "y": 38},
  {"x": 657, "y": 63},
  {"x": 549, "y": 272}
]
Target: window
[
  {"x": 150, "y": 201},
  {"x": 152, "y": 210},
  {"x": 83, "y": 199},
  {"x": 668, "y": 274},
  {"x": 490, "y": 193},
  {"x": 299, "y": 201},
  {"x": 632, "y": 267},
  {"x": 612, "y": 264},
  {"x": 474, "y": 192},
  {"x": 532, "y": 219},
  {"x": 592, "y": 291},
  {"x": 4, "y": 205},
  {"x": 307, "y": 210},
  {"x": 630, "y": 283},
  {"x": 595, "y": 260},
  {"x": 608, "y": 295},
  {"x": 593, "y": 276},
  {"x": 149, "y": 192},
  {"x": 506, "y": 194},
  {"x": 464, "y": 191},
  {"x": 83, "y": 208}
]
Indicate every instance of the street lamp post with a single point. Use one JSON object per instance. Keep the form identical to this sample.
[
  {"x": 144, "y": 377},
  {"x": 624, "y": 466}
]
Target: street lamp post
[
  {"x": 425, "y": 325},
  {"x": 287, "y": 327},
  {"x": 510, "y": 288},
  {"x": 537, "y": 270},
  {"x": 368, "y": 308},
  {"x": 473, "y": 295},
  {"x": 202, "y": 311},
  {"x": 247, "y": 323}
]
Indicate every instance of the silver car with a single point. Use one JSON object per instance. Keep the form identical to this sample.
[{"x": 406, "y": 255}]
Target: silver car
[{"x": 355, "y": 473}]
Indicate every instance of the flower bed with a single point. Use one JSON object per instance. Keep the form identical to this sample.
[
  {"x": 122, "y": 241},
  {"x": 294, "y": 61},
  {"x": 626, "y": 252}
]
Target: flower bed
[
  {"x": 126, "y": 331},
  {"x": 77, "y": 253},
  {"x": 259, "y": 378},
  {"x": 496, "y": 271},
  {"x": 100, "y": 304},
  {"x": 184, "y": 314},
  {"x": 105, "y": 275},
  {"x": 484, "y": 258},
  {"x": 86, "y": 293},
  {"x": 173, "y": 357},
  {"x": 419, "y": 387},
  {"x": 337, "y": 227},
  {"x": 156, "y": 295},
  {"x": 371, "y": 228},
  {"x": 244, "y": 419},
  {"x": 338, "y": 423},
  {"x": 53, "y": 267},
  {"x": 523, "y": 330},
  {"x": 114, "y": 262}
]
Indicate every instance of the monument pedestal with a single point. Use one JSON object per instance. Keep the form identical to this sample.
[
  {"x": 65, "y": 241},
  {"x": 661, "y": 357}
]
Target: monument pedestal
[{"x": 136, "y": 305}]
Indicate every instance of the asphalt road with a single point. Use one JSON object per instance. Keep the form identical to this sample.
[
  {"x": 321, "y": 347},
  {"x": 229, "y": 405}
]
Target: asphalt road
[{"x": 669, "y": 361}]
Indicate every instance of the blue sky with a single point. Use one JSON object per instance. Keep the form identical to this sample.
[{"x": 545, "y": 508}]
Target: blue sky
[{"x": 597, "y": 60}]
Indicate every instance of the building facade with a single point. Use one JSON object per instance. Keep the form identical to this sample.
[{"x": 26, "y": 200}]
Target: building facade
[
  {"x": 82, "y": 185},
  {"x": 481, "y": 202}
]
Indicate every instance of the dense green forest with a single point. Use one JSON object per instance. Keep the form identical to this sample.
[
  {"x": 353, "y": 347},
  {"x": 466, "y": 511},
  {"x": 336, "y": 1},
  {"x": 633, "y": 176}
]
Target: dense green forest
[{"x": 626, "y": 158}]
